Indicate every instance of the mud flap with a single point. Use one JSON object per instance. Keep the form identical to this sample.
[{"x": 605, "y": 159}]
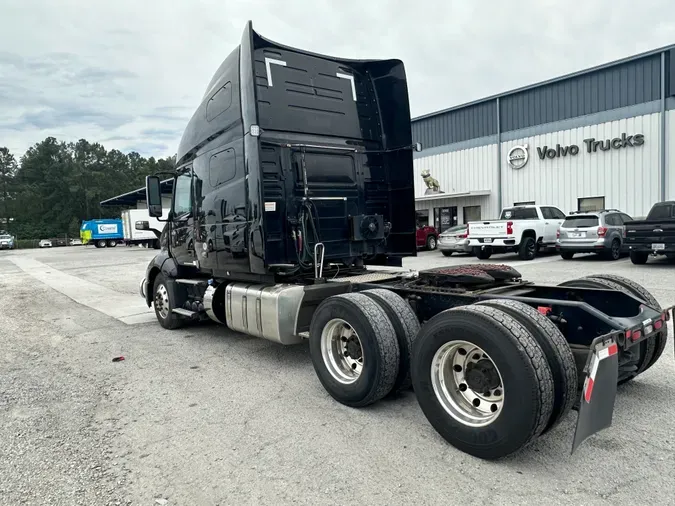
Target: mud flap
[{"x": 599, "y": 392}]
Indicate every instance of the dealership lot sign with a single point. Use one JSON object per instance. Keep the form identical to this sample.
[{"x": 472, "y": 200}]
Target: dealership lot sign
[{"x": 592, "y": 146}]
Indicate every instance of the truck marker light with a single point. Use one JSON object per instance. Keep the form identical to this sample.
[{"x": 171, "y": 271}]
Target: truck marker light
[
  {"x": 629, "y": 334},
  {"x": 545, "y": 310},
  {"x": 658, "y": 324},
  {"x": 637, "y": 334},
  {"x": 612, "y": 349}
]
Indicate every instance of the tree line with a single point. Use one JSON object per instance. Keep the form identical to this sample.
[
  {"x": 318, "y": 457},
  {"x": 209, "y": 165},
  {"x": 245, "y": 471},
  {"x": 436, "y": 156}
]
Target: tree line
[{"x": 54, "y": 186}]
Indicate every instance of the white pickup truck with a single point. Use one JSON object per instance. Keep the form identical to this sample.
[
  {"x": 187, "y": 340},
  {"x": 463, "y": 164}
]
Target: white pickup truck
[{"x": 524, "y": 229}]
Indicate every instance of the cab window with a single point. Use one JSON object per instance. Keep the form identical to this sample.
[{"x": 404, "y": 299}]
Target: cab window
[{"x": 182, "y": 200}]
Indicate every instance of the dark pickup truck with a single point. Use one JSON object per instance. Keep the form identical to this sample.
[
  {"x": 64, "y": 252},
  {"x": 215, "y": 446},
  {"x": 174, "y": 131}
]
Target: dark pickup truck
[{"x": 655, "y": 235}]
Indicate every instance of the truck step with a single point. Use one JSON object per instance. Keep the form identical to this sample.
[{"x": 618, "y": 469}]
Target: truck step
[
  {"x": 184, "y": 312},
  {"x": 186, "y": 281}
]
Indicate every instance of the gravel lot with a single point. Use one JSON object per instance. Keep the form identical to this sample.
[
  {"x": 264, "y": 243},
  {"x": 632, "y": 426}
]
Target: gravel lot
[{"x": 206, "y": 416}]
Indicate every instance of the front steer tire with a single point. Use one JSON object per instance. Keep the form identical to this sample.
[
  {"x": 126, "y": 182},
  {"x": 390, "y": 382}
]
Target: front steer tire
[
  {"x": 557, "y": 351},
  {"x": 406, "y": 327},
  {"x": 378, "y": 345},
  {"x": 520, "y": 362},
  {"x": 169, "y": 320}
]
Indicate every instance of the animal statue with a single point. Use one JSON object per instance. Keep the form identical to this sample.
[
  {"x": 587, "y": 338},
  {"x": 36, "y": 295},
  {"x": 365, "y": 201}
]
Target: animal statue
[{"x": 432, "y": 183}]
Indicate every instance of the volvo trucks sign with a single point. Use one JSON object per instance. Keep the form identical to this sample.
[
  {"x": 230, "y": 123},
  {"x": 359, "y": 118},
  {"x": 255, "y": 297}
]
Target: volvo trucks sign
[{"x": 518, "y": 155}]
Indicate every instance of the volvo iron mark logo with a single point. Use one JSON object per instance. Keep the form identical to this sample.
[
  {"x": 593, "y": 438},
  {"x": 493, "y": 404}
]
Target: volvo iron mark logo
[{"x": 518, "y": 156}]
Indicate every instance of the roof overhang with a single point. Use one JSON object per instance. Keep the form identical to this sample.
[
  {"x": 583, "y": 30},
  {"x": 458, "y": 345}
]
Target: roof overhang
[
  {"x": 439, "y": 196},
  {"x": 133, "y": 197}
]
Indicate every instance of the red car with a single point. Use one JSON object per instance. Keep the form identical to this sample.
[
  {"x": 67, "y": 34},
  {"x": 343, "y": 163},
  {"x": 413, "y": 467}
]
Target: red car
[{"x": 427, "y": 237}]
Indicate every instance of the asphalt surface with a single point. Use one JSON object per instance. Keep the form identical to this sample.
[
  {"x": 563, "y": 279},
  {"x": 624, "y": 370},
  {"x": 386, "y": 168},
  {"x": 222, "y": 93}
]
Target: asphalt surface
[{"x": 203, "y": 415}]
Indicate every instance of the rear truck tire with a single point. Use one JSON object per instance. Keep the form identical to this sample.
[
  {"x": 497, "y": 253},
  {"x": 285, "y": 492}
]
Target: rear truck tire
[
  {"x": 640, "y": 291},
  {"x": 431, "y": 243},
  {"x": 447, "y": 253},
  {"x": 483, "y": 253},
  {"x": 163, "y": 305},
  {"x": 112, "y": 243},
  {"x": 556, "y": 350},
  {"x": 101, "y": 244},
  {"x": 482, "y": 381},
  {"x": 567, "y": 255},
  {"x": 639, "y": 257},
  {"x": 528, "y": 248},
  {"x": 614, "y": 252},
  {"x": 646, "y": 348},
  {"x": 354, "y": 349},
  {"x": 406, "y": 327}
]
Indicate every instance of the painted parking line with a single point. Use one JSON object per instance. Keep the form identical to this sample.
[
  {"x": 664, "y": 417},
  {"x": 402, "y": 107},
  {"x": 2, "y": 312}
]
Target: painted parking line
[{"x": 125, "y": 308}]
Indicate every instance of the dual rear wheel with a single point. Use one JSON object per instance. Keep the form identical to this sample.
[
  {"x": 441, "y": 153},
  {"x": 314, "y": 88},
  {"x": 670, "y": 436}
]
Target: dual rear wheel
[{"x": 490, "y": 377}]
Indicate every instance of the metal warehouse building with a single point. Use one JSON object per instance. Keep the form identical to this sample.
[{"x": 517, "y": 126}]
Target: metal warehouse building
[{"x": 600, "y": 138}]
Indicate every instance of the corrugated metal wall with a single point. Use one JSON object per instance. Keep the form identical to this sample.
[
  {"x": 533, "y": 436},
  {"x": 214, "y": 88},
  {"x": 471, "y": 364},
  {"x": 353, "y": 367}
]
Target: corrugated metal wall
[
  {"x": 632, "y": 83},
  {"x": 459, "y": 171},
  {"x": 623, "y": 85},
  {"x": 471, "y": 122},
  {"x": 467, "y": 170},
  {"x": 628, "y": 178}
]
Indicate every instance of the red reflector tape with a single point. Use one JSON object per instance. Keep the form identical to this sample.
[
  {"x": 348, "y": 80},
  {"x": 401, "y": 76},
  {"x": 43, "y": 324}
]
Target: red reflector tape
[
  {"x": 602, "y": 354},
  {"x": 588, "y": 391},
  {"x": 544, "y": 310}
]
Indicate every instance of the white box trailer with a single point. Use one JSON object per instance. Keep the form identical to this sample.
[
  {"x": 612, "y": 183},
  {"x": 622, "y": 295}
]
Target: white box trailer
[{"x": 133, "y": 236}]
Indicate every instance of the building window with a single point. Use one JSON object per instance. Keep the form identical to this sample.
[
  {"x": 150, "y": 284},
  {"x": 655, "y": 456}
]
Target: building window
[
  {"x": 528, "y": 203},
  {"x": 422, "y": 218},
  {"x": 471, "y": 213},
  {"x": 586, "y": 204}
]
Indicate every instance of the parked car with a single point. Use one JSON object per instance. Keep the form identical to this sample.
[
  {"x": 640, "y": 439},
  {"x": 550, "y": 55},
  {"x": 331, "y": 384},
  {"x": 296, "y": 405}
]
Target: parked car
[
  {"x": 592, "y": 232},
  {"x": 654, "y": 235},
  {"x": 454, "y": 240},
  {"x": 524, "y": 229},
  {"x": 76, "y": 242},
  {"x": 7, "y": 241},
  {"x": 427, "y": 237},
  {"x": 45, "y": 243}
]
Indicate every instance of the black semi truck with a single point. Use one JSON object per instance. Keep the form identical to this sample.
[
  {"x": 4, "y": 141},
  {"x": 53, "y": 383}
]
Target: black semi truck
[{"x": 293, "y": 177}]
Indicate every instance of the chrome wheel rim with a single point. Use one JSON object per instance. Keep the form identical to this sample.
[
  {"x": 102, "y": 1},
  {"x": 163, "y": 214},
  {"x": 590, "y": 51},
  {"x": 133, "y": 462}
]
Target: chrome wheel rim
[
  {"x": 162, "y": 301},
  {"x": 342, "y": 351},
  {"x": 467, "y": 383},
  {"x": 432, "y": 243}
]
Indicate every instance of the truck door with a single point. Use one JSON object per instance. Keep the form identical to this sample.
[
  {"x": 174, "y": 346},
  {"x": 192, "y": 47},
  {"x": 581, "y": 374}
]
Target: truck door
[
  {"x": 553, "y": 218},
  {"x": 182, "y": 220}
]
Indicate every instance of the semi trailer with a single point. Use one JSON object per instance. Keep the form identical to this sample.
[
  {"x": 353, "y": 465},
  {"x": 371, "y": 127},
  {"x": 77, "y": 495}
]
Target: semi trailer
[{"x": 292, "y": 209}]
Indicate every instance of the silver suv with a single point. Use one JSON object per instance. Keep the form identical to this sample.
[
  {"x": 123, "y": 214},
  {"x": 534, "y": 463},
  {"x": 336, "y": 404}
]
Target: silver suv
[{"x": 592, "y": 232}]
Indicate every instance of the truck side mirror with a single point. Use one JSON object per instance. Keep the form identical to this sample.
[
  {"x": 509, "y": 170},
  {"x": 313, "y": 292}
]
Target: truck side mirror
[
  {"x": 153, "y": 196},
  {"x": 142, "y": 225}
]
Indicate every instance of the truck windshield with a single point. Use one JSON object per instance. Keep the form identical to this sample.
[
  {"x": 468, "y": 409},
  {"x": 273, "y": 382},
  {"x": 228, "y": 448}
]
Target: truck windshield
[
  {"x": 519, "y": 213},
  {"x": 581, "y": 221},
  {"x": 660, "y": 212}
]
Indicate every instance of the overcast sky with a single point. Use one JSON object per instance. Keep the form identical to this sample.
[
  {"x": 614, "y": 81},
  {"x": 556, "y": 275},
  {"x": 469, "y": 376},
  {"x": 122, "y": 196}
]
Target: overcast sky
[{"x": 129, "y": 73}]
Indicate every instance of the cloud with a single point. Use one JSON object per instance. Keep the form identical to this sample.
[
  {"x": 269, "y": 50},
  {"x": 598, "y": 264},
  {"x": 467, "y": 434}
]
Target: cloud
[{"x": 130, "y": 73}]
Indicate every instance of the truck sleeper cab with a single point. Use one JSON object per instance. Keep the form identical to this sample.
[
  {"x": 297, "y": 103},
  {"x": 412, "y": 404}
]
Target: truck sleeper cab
[{"x": 294, "y": 174}]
